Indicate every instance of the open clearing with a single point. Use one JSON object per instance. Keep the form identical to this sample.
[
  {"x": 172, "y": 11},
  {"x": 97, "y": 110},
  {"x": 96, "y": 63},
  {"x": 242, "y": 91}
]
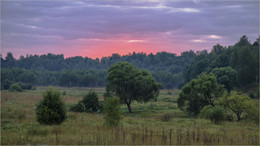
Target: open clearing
[{"x": 158, "y": 122}]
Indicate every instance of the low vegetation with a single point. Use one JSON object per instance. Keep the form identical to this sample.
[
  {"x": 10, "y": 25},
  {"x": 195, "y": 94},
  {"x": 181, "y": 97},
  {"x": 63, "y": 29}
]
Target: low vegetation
[
  {"x": 89, "y": 103},
  {"x": 112, "y": 113},
  {"x": 214, "y": 113},
  {"x": 144, "y": 126},
  {"x": 15, "y": 88}
]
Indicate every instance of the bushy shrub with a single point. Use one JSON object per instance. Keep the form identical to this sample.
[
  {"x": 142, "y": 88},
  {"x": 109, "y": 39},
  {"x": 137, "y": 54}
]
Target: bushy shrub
[
  {"x": 79, "y": 107},
  {"x": 241, "y": 105},
  {"x": 205, "y": 112},
  {"x": 89, "y": 103},
  {"x": 51, "y": 109},
  {"x": 112, "y": 111},
  {"x": 216, "y": 114},
  {"x": 16, "y": 88}
]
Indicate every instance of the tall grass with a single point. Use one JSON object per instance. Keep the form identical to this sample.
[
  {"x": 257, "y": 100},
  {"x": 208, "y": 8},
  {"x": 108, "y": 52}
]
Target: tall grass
[{"x": 153, "y": 123}]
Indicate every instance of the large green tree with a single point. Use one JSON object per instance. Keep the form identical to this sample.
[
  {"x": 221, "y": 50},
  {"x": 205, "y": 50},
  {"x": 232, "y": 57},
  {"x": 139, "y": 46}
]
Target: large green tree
[
  {"x": 198, "y": 93},
  {"x": 129, "y": 84}
]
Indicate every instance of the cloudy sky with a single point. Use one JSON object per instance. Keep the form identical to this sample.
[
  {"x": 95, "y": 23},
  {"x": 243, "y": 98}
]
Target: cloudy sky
[{"x": 97, "y": 28}]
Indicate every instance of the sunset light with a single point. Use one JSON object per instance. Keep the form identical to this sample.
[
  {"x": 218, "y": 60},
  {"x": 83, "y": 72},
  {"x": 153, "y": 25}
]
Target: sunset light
[{"x": 101, "y": 28}]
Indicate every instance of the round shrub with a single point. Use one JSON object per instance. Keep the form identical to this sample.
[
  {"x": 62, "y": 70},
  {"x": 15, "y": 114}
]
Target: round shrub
[
  {"x": 216, "y": 114},
  {"x": 89, "y": 103},
  {"x": 51, "y": 109},
  {"x": 16, "y": 87},
  {"x": 112, "y": 111},
  {"x": 79, "y": 107}
]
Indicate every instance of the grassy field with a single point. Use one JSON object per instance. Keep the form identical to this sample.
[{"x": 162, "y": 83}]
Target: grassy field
[{"x": 154, "y": 123}]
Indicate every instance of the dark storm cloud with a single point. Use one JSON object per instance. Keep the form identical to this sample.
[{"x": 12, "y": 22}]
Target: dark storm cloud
[{"x": 23, "y": 21}]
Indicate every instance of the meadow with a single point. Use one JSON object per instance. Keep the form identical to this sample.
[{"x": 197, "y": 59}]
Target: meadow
[{"x": 151, "y": 123}]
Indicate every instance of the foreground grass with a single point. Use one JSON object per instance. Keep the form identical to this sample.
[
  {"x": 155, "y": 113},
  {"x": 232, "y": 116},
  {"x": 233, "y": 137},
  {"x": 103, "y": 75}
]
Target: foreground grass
[{"x": 158, "y": 122}]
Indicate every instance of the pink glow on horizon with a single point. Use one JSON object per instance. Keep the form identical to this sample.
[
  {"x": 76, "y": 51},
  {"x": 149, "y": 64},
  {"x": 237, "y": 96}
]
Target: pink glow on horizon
[{"x": 109, "y": 47}]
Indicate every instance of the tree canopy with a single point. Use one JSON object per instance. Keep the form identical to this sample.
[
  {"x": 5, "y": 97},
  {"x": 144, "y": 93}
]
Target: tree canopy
[
  {"x": 169, "y": 69},
  {"x": 198, "y": 93},
  {"x": 241, "y": 105},
  {"x": 129, "y": 84},
  {"x": 226, "y": 76}
]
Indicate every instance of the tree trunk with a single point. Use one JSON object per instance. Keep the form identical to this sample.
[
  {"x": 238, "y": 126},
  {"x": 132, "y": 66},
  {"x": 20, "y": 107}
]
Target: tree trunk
[
  {"x": 129, "y": 108},
  {"x": 238, "y": 117}
]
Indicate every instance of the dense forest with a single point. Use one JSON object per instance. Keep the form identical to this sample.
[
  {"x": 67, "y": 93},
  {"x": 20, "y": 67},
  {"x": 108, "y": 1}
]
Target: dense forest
[{"x": 235, "y": 66}]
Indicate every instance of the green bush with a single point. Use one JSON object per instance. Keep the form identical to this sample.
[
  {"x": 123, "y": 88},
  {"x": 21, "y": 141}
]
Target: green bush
[
  {"x": 112, "y": 111},
  {"x": 216, "y": 114},
  {"x": 205, "y": 112},
  {"x": 51, "y": 109},
  {"x": 89, "y": 103},
  {"x": 79, "y": 107},
  {"x": 16, "y": 88}
]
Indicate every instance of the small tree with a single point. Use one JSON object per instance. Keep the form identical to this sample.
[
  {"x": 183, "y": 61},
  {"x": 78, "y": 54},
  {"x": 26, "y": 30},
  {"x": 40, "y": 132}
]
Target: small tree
[
  {"x": 16, "y": 87},
  {"x": 89, "y": 103},
  {"x": 51, "y": 109},
  {"x": 112, "y": 111},
  {"x": 198, "y": 93},
  {"x": 241, "y": 105}
]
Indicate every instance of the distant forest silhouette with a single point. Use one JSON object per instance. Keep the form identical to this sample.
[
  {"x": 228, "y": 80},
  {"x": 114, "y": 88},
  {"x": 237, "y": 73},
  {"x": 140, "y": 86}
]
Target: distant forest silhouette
[{"x": 169, "y": 69}]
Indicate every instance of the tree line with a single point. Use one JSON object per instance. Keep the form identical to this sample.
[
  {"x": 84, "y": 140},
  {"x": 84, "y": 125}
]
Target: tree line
[
  {"x": 235, "y": 66},
  {"x": 50, "y": 69}
]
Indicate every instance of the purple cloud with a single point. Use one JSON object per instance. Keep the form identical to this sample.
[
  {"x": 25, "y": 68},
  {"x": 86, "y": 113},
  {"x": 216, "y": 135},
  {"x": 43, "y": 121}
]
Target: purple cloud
[{"x": 174, "y": 25}]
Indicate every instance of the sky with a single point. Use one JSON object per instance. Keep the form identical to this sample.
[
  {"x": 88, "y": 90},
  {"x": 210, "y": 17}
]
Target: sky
[{"x": 99, "y": 28}]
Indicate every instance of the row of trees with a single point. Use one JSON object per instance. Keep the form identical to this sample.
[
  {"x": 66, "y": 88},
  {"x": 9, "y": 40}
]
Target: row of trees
[
  {"x": 241, "y": 62},
  {"x": 50, "y": 69},
  {"x": 235, "y": 67},
  {"x": 70, "y": 78},
  {"x": 162, "y": 61},
  {"x": 203, "y": 96}
]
